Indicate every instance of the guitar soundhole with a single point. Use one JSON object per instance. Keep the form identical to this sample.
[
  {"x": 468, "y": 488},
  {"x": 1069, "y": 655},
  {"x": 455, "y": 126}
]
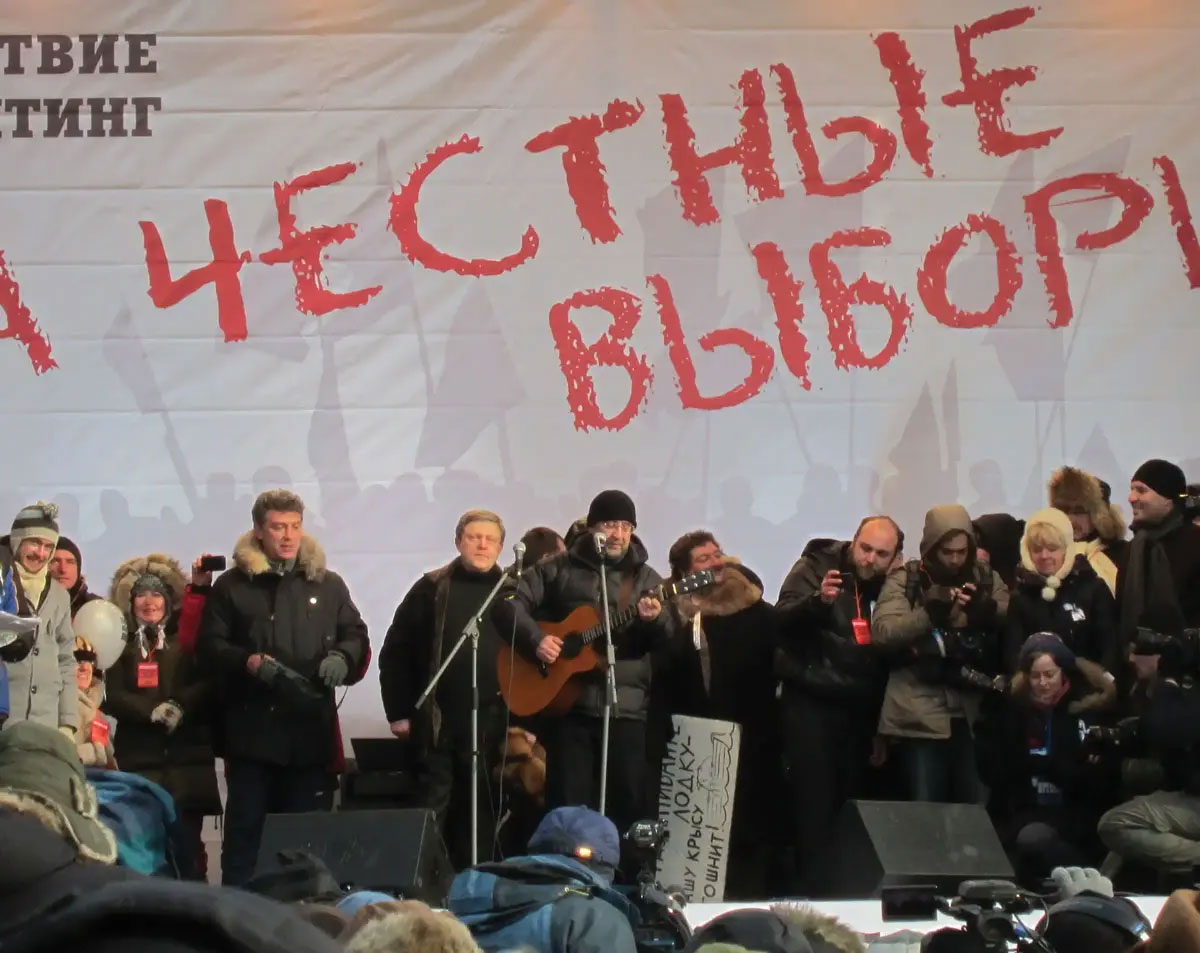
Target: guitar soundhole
[{"x": 572, "y": 646}]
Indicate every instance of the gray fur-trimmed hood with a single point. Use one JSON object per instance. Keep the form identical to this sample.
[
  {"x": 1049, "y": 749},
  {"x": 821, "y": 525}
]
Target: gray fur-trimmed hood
[
  {"x": 155, "y": 564},
  {"x": 249, "y": 557}
]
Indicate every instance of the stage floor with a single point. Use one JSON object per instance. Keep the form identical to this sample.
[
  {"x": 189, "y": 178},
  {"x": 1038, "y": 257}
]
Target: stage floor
[{"x": 863, "y": 916}]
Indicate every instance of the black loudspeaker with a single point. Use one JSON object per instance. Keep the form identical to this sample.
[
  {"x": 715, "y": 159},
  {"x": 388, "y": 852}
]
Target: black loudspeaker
[
  {"x": 398, "y": 852},
  {"x": 877, "y": 844}
]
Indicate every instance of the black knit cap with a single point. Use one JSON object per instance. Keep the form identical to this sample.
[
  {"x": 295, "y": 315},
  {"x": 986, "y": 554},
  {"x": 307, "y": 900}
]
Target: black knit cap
[
  {"x": 1163, "y": 477},
  {"x": 70, "y": 547},
  {"x": 612, "y": 505}
]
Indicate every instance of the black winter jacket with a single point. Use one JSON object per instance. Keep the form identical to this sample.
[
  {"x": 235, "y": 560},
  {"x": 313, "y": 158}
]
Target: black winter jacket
[
  {"x": 817, "y": 651},
  {"x": 1031, "y": 758},
  {"x": 553, "y": 588},
  {"x": 412, "y": 653},
  {"x": 1083, "y": 614},
  {"x": 298, "y": 619}
]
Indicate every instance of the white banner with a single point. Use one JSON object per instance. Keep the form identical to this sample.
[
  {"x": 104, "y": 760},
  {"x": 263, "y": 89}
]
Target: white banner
[
  {"x": 695, "y": 801},
  {"x": 768, "y": 266}
]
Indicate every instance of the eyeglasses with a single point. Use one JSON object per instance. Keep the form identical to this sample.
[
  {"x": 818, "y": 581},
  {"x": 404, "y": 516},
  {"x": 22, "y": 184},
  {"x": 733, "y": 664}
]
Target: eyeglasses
[{"x": 612, "y": 526}]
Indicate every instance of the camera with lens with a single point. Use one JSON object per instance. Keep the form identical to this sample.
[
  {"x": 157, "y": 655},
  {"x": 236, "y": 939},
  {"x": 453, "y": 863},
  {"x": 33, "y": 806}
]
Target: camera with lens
[
  {"x": 663, "y": 926},
  {"x": 1178, "y": 651},
  {"x": 957, "y": 657},
  {"x": 990, "y": 911},
  {"x": 1121, "y": 735}
]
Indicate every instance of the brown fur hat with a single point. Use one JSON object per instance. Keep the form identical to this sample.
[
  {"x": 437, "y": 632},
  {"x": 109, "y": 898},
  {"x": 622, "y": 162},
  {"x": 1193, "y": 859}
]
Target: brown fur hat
[
  {"x": 120, "y": 593},
  {"x": 1071, "y": 487}
]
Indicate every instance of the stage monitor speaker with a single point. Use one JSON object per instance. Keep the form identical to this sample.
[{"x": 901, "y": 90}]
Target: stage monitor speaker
[
  {"x": 877, "y": 844},
  {"x": 397, "y": 852}
]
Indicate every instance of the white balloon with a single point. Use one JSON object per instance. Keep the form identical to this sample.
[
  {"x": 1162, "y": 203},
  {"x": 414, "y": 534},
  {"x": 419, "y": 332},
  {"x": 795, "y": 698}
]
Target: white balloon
[{"x": 102, "y": 624}]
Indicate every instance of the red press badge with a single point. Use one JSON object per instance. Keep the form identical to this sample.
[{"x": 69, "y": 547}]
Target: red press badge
[
  {"x": 99, "y": 731},
  {"x": 147, "y": 675},
  {"x": 862, "y": 631}
]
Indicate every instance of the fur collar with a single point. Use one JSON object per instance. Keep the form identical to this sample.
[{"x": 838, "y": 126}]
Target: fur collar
[
  {"x": 733, "y": 594},
  {"x": 249, "y": 557},
  {"x": 1098, "y": 690},
  {"x": 829, "y": 932}
]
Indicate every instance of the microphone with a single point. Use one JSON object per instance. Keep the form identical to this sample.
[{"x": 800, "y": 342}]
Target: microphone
[
  {"x": 601, "y": 542},
  {"x": 519, "y": 549}
]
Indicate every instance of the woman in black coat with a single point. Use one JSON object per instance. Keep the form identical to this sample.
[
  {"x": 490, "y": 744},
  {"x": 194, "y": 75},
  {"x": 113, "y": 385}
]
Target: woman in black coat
[
  {"x": 1058, "y": 591},
  {"x": 1047, "y": 789}
]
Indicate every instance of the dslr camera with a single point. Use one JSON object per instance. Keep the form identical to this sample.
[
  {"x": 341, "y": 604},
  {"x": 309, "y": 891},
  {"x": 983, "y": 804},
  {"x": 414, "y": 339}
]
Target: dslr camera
[
  {"x": 1182, "y": 649},
  {"x": 663, "y": 926}
]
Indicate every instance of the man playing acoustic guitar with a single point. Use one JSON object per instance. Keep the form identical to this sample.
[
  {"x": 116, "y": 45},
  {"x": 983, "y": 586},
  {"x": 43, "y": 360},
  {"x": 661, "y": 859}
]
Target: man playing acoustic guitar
[{"x": 550, "y": 591}]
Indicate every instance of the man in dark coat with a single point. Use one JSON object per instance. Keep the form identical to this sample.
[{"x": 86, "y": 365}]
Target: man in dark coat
[
  {"x": 833, "y": 677},
  {"x": 66, "y": 566},
  {"x": 425, "y": 628},
  {"x": 1161, "y": 575},
  {"x": 550, "y": 591},
  {"x": 280, "y": 633},
  {"x": 724, "y": 670}
]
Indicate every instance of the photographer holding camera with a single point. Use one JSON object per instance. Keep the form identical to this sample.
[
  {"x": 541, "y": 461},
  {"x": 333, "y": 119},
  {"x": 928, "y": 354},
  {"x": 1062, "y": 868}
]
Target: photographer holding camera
[
  {"x": 1047, "y": 790},
  {"x": 942, "y": 614},
  {"x": 1162, "y": 830}
]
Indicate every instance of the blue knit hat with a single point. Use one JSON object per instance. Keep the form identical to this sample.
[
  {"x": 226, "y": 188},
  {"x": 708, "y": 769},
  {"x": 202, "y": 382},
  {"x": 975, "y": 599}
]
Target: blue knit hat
[
  {"x": 1046, "y": 643},
  {"x": 578, "y": 832}
]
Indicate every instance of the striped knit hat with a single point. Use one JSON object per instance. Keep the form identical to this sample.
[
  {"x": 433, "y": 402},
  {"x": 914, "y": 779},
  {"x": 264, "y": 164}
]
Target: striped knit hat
[{"x": 36, "y": 521}]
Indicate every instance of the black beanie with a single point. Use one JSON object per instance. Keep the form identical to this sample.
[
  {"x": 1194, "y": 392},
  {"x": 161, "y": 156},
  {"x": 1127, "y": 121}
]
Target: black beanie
[
  {"x": 70, "y": 547},
  {"x": 1163, "y": 477},
  {"x": 611, "y": 505}
]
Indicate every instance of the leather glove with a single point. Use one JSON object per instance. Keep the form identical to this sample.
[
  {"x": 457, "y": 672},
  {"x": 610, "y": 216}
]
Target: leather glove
[
  {"x": 1072, "y": 881},
  {"x": 168, "y": 714},
  {"x": 333, "y": 670}
]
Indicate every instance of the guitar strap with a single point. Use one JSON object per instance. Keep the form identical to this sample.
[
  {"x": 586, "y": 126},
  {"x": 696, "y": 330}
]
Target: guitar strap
[{"x": 625, "y": 593}]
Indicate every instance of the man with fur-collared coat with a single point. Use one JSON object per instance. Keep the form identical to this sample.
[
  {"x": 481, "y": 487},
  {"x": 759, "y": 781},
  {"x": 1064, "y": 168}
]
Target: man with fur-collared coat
[
  {"x": 280, "y": 633},
  {"x": 724, "y": 669}
]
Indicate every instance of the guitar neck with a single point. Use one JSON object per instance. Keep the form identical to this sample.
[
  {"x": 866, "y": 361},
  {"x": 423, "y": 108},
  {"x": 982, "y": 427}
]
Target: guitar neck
[{"x": 623, "y": 616}]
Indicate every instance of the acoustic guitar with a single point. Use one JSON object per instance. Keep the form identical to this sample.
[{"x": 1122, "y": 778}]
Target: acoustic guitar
[{"x": 532, "y": 687}]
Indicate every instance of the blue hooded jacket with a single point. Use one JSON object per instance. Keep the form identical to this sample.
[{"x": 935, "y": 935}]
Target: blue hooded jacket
[{"x": 552, "y": 903}]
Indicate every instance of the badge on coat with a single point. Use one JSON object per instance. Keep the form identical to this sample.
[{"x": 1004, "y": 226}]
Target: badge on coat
[
  {"x": 147, "y": 675},
  {"x": 99, "y": 731}
]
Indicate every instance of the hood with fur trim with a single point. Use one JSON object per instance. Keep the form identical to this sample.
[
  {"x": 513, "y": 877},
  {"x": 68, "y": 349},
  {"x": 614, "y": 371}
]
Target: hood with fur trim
[
  {"x": 1099, "y": 689},
  {"x": 1071, "y": 487},
  {"x": 825, "y": 934},
  {"x": 249, "y": 557},
  {"x": 731, "y": 595},
  {"x": 155, "y": 564}
]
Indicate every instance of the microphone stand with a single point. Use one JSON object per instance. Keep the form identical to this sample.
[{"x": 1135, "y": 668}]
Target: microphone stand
[
  {"x": 470, "y": 631},
  {"x": 610, "y": 675}
]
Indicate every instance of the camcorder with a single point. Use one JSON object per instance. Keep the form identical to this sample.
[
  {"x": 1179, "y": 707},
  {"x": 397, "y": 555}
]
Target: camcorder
[
  {"x": 991, "y": 912},
  {"x": 663, "y": 926}
]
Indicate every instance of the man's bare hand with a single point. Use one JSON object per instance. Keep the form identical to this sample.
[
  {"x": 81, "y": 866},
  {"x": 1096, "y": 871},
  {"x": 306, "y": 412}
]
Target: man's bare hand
[{"x": 549, "y": 649}]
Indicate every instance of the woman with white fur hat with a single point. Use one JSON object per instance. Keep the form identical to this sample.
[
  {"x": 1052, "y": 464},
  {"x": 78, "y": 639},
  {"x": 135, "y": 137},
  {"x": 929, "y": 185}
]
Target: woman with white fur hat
[{"x": 1058, "y": 591}]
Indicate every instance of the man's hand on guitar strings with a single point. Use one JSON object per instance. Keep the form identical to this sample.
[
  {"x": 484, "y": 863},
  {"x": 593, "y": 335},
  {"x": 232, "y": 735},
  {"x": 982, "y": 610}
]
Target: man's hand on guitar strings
[
  {"x": 549, "y": 648},
  {"x": 648, "y": 608}
]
